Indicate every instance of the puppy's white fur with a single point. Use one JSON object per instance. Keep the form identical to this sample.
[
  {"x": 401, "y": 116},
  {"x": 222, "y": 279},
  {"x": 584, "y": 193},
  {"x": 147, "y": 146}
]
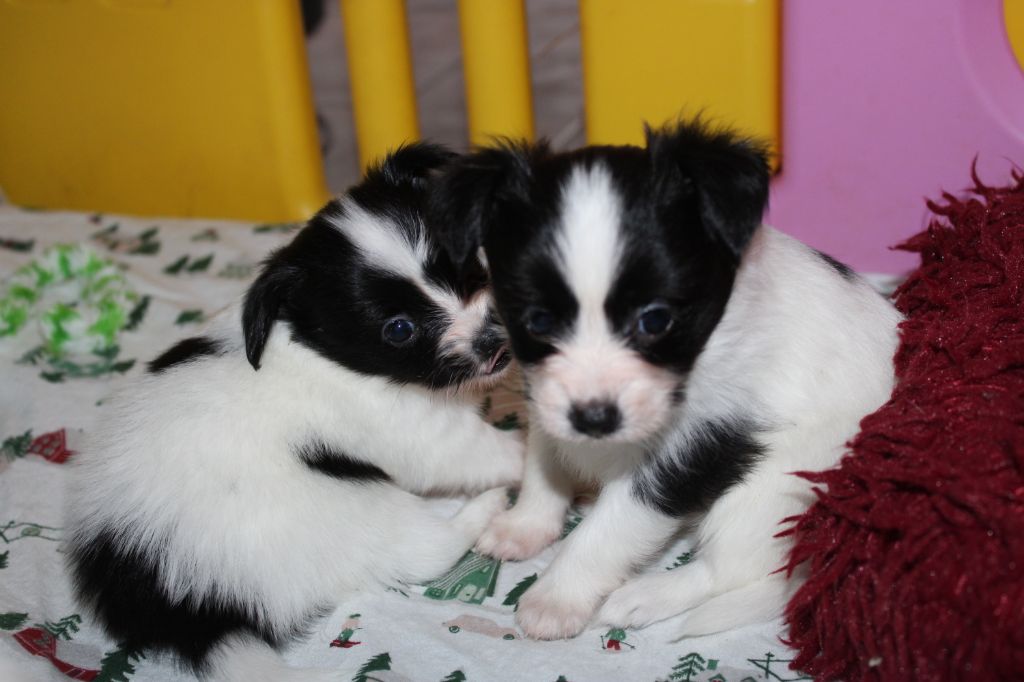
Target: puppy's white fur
[
  {"x": 197, "y": 472},
  {"x": 196, "y": 466},
  {"x": 801, "y": 351}
]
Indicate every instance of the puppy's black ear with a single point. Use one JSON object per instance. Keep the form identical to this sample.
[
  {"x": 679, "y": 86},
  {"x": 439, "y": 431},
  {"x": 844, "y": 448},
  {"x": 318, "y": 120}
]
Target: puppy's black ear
[
  {"x": 727, "y": 172},
  {"x": 263, "y": 304},
  {"x": 469, "y": 192},
  {"x": 410, "y": 164}
]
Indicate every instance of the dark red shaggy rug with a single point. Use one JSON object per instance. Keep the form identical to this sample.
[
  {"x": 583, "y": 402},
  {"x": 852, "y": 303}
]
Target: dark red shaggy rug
[{"x": 916, "y": 544}]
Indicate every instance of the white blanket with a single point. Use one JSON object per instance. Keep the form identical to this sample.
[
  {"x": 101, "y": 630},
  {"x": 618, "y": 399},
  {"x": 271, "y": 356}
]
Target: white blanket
[{"x": 461, "y": 627}]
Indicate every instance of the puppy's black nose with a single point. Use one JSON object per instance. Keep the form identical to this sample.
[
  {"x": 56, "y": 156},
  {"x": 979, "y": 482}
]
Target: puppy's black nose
[
  {"x": 488, "y": 342},
  {"x": 595, "y": 419}
]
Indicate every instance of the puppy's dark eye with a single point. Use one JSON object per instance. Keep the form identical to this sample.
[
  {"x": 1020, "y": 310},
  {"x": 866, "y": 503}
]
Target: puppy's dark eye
[
  {"x": 655, "y": 320},
  {"x": 398, "y": 331},
  {"x": 540, "y": 323}
]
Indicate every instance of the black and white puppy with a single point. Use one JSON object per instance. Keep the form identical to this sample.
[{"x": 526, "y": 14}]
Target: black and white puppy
[
  {"x": 220, "y": 508},
  {"x": 677, "y": 353}
]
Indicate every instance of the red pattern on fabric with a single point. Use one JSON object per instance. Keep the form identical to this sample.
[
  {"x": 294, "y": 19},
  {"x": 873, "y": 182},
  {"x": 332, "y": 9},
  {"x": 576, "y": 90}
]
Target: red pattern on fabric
[
  {"x": 51, "y": 446},
  {"x": 39, "y": 642},
  {"x": 916, "y": 543}
]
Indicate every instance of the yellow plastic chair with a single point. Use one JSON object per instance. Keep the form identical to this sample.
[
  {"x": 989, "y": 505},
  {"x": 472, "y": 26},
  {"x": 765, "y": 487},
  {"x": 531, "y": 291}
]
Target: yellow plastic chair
[{"x": 158, "y": 107}]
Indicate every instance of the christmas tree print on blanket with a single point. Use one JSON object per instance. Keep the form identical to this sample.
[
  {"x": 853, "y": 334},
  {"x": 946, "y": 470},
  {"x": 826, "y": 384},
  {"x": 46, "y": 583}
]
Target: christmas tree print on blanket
[
  {"x": 12, "y": 621},
  {"x": 144, "y": 244},
  {"x": 378, "y": 669},
  {"x": 681, "y": 560},
  {"x": 512, "y": 598},
  {"x": 690, "y": 666},
  {"x": 105, "y": 363},
  {"x": 189, "y": 264},
  {"x": 118, "y": 665},
  {"x": 572, "y": 519},
  {"x": 21, "y": 246}
]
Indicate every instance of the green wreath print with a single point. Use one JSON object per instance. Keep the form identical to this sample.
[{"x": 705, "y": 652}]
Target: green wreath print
[{"x": 78, "y": 300}]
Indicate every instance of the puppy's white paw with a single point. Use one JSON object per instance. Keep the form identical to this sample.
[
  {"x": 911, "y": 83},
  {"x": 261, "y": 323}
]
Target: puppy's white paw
[
  {"x": 549, "y": 610},
  {"x": 642, "y": 601},
  {"x": 479, "y": 512},
  {"x": 517, "y": 534}
]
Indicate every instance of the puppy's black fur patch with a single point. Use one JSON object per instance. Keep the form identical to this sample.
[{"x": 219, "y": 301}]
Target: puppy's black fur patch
[
  {"x": 690, "y": 203},
  {"x": 324, "y": 459},
  {"x": 844, "y": 270},
  {"x": 717, "y": 457},
  {"x": 185, "y": 351},
  {"x": 124, "y": 589},
  {"x": 336, "y": 302}
]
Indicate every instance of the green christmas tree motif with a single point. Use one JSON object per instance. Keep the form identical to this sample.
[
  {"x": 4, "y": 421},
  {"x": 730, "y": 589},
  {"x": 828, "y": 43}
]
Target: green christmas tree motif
[
  {"x": 63, "y": 628},
  {"x": 688, "y": 666},
  {"x": 175, "y": 267},
  {"x": 269, "y": 228},
  {"x": 782, "y": 673},
  {"x": 202, "y": 264},
  {"x": 148, "y": 245},
  {"x": 189, "y": 317},
  {"x": 510, "y": 422},
  {"x": 573, "y": 517},
  {"x": 12, "y": 620},
  {"x": 137, "y": 314},
  {"x": 118, "y": 665},
  {"x": 22, "y": 246},
  {"x": 184, "y": 264},
  {"x": 375, "y": 664},
  {"x": 512, "y": 598},
  {"x": 145, "y": 243},
  {"x": 681, "y": 560},
  {"x": 455, "y": 676},
  {"x": 16, "y": 446},
  {"x": 61, "y": 369}
]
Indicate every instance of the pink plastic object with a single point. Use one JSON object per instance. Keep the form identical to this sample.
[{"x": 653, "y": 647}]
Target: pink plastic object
[{"x": 884, "y": 104}]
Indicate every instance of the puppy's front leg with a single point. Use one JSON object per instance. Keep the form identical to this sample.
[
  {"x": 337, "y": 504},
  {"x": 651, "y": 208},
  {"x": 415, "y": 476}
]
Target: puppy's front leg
[
  {"x": 538, "y": 517},
  {"x": 425, "y": 445},
  {"x": 618, "y": 534},
  {"x": 465, "y": 454}
]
